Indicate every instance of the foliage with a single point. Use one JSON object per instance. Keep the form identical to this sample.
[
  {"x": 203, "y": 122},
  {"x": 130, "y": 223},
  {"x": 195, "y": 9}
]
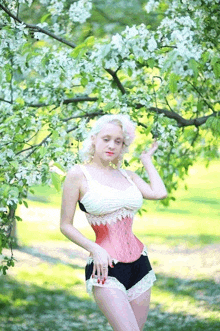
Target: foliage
[{"x": 55, "y": 79}]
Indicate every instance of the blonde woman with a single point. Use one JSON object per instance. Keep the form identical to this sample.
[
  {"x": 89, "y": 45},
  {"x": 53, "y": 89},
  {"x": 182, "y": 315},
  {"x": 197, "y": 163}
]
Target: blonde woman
[{"x": 118, "y": 272}]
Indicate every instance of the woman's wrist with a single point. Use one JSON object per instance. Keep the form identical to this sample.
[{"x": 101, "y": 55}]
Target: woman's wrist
[
  {"x": 93, "y": 248},
  {"x": 146, "y": 160}
]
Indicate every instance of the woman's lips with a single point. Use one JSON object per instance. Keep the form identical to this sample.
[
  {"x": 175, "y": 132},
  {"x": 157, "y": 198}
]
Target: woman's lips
[{"x": 109, "y": 153}]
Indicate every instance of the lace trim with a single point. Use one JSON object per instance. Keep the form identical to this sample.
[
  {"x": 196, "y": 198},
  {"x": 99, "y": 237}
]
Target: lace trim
[
  {"x": 111, "y": 282},
  {"x": 143, "y": 285},
  {"x": 110, "y": 217},
  {"x": 90, "y": 259}
]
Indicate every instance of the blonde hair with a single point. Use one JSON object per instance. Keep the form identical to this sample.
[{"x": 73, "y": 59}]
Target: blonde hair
[{"x": 128, "y": 128}]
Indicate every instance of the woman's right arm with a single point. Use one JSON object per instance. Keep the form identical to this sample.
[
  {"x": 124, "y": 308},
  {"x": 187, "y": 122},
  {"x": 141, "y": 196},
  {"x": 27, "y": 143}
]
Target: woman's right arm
[
  {"x": 69, "y": 200},
  {"x": 70, "y": 197}
]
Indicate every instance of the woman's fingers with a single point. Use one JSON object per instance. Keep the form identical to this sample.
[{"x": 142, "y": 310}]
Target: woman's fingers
[
  {"x": 93, "y": 270},
  {"x": 110, "y": 262},
  {"x": 98, "y": 273},
  {"x": 100, "y": 270},
  {"x": 104, "y": 273}
]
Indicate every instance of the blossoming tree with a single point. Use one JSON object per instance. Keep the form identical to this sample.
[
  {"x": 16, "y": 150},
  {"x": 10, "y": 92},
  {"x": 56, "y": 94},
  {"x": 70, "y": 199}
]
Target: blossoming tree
[{"x": 53, "y": 84}]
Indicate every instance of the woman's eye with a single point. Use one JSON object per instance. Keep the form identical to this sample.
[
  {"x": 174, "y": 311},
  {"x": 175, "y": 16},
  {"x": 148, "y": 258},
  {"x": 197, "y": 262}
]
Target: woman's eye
[{"x": 106, "y": 139}]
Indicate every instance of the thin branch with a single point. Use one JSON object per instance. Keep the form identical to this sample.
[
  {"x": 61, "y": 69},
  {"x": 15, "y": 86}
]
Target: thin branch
[
  {"x": 197, "y": 90},
  {"x": 168, "y": 104},
  {"x": 117, "y": 80},
  {"x": 142, "y": 124},
  {"x": 11, "y": 80},
  {"x": 37, "y": 28},
  {"x": 34, "y": 146},
  {"x": 5, "y": 101},
  {"x": 195, "y": 137},
  {"x": 81, "y": 116},
  {"x": 72, "y": 129},
  {"x": 65, "y": 101}
]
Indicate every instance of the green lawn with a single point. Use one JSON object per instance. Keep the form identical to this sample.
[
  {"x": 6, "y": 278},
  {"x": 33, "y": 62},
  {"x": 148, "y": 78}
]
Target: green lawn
[{"x": 46, "y": 289}]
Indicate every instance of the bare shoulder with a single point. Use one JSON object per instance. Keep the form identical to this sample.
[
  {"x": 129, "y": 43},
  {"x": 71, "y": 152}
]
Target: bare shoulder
[{"x": 75, "y": 173}]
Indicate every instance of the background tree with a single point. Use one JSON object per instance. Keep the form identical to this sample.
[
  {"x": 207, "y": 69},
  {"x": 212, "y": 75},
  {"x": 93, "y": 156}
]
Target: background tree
[{"x": 157, "y": 61}]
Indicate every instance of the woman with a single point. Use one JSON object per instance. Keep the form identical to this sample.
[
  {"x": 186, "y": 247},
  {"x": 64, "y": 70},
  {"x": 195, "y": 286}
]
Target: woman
[{"x": 118, "y": 272}]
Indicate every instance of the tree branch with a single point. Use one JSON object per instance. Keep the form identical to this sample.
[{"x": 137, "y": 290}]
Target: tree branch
[
  {"x": 37, "y": 28},
  {"x": 65, "y": 101},
  {"x": 34, "y": 146},
  {"x": 181, "y": 122},
  {"x": 81, "y": 116},
  {"x": 117, "y": 80},
  {"x": 5, "y": 101}
]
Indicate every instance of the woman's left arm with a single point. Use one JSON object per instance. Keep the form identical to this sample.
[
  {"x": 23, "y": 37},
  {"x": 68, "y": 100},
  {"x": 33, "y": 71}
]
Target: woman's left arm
[{"x": 156, "y": 190}]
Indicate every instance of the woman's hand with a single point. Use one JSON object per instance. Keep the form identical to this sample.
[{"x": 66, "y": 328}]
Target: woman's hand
[
  {"x": 145, "y": 155},
  {"x": 101, "y": 261}
]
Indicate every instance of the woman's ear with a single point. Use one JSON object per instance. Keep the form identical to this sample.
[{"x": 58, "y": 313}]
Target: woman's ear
[{"x": 93, "y": 139}]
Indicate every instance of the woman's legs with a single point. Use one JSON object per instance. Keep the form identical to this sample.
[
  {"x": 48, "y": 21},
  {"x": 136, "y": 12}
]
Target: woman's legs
[
  {"x": 115, "y": 306},
  {"x": 140, "y": 307}
]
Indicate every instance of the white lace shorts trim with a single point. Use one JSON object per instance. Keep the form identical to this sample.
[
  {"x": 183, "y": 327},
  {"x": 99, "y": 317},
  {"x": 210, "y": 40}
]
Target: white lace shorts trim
[{"x": 132, "y": 293}]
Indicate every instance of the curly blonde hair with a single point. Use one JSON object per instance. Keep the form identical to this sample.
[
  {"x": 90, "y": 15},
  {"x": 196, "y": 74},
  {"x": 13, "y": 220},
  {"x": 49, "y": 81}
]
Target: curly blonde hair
[{"x": 128, "y": 128}]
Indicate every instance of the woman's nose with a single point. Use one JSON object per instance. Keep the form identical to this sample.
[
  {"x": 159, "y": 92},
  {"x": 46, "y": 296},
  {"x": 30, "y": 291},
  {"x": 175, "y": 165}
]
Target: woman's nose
[{"x": 111, "y": 144}]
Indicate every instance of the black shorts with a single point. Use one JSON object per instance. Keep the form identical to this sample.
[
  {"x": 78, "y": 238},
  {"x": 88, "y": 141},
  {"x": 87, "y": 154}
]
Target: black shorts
[{"x": 133, "y": 278}]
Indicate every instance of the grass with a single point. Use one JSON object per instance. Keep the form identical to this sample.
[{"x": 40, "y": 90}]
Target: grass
[{"x": 46, "y": 288}]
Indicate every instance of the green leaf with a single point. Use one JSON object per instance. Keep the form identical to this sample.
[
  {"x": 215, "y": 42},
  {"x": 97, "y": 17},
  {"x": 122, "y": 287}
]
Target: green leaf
[
  {"x": 148, "y": 130},
  {"x": 173, "y": 82},
  {"x": 20, "y": 101},
  {"x": 214, "y": 60},
  {"x": 8, "y": 76},
  {"x": 205, "y": 56},
  {"x": 90, "y": 41},
  {"x": 43, "y": 151},
  {"x": 216, "y": 69},
  {"x": 199, "y": 106},
  {"x": 151, "y": 63},
  {"x": 79, "y": 51},
  {"x": 18, "y": 218},
  {"x": 55, "y": 135},
  {"x": 58, "y": 165},
  {"x": 25, "y": 203},
  {"x": 10, "y": 118},
  {"x": 56, "y": 180},
  {"x": 84, "y": 81},
  {"x": 109, "y": 106},
  {"x": 193, "y": 65},
  {"x": 45, "y": 17},
  {"x": 130, "y": 72}
]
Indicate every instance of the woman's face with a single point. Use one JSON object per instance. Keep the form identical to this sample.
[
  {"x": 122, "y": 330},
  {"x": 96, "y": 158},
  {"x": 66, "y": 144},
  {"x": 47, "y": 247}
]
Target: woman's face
[{"x": 108, "y": 142}]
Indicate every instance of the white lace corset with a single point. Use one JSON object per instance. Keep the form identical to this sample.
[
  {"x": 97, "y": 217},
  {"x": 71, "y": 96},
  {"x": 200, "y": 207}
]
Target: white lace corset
[{"x": 104, "y": 203}]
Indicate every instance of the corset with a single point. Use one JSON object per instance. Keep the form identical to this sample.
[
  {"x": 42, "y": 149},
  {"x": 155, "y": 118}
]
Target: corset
[{"x": 110, "y": 214}]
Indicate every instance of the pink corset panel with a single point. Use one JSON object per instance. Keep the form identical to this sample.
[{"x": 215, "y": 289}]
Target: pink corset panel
[{"x": 118, "y": 240}]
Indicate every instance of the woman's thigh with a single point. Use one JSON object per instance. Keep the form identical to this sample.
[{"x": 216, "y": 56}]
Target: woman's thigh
[
  {"x": 115, "y": 306},
  {"x": 140, "y": 307}
]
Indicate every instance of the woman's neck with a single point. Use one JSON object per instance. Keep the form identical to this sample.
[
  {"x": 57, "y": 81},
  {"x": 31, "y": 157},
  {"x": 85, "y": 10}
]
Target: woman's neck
[{"x": 101, "y": 166}]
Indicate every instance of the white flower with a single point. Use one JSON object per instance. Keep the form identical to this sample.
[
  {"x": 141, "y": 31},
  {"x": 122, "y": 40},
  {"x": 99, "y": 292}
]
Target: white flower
[
  {"x": 79, "y": 11},
  {"x": 151, "y": 5},
  {"x": 152, "y": 44}
]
